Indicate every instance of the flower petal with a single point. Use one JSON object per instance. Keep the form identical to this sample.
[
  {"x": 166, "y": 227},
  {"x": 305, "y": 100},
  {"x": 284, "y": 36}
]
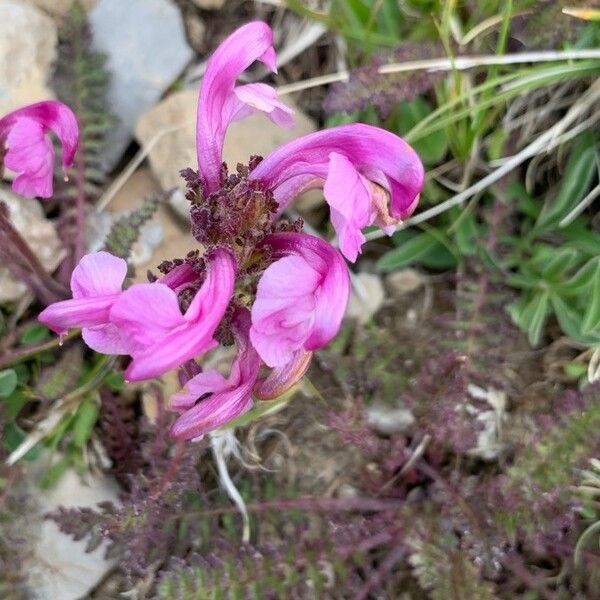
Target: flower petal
[
  {"x": 349, "y": 197},
  {"x": 30, "y": 153},
  {"x": 301, "y": 298},
  {"x": 98, "y": 274},
  {"x": 260, "y": 97},
  {"x": 106, "y": 339},
  {"x": 165, "y": 338},
  {"x": 79, "y": 312},
  {"x": 218, "y": 104},
  {"x": 377, "y": 155}
]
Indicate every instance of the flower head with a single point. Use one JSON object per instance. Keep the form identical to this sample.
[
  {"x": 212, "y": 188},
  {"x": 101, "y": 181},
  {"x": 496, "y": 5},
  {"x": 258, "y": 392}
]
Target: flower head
[
  {"x": 30, "y": 152},
  {"x": 356, "y": 164}
]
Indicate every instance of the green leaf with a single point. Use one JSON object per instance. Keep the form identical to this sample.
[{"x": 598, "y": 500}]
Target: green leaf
[
  {"x": 84, "y": 422},
  {"x": 582, "y": 279},
  {"x": 54, "y": 473},
  {"x": 431, "y": 148},
  {"x": 115, "y": 381},
  {"x": 34, "y": 334},
  {"x": 570, "y": 321},
  {"x": 534, "y": 317},
  {"x": 13, "y": 436},
  {"x": 422, "y": 248},
  {"x": 576, "y": 181},
  {"x": 561, "y": 262},
  {"x": 466, "y": 233},
  {"x": 8, "y": 382},
  {"x": 591, "y": 318}
]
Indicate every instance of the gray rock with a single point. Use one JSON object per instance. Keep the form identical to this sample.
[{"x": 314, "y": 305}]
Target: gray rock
[
  {"x": 27, "y": 217},
  {"x": 405, "y": 281},
  {"x": 147, "y": 49},
  {"x": 27, "y": 51},
  {"x": 387, "y": 420},
  {"x": 367, "y": 297},
  {"x": 209, "y": 4}
]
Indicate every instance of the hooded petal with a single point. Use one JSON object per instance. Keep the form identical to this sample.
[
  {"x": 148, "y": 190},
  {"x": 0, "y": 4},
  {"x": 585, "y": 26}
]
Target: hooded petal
[
  {"x": 164, "y": 338},
  {"x": 301, "y": 298},
  {"x": 378, "y": 157},
  {"x": 219, "y": 104},
  {"x": 228, "y": 399},
  {"x": 260, "y": 97},
  {"x": 348, "y": 195},
  {"x": 30, "y": 152},
  {"x": 96, "y": 284}
]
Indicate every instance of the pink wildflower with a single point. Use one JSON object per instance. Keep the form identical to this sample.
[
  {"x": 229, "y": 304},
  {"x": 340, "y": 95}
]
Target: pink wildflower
[
  {"x": 228, "y": 397},
  {"x": 355, "y": 164},
  {"x": 30, "y": 152},
  {"x": 301, "y": 298},
  {"x": 160, "y": 337},
  {"x": 96, "y": 285},
  {"x": 221, "y": 102}
]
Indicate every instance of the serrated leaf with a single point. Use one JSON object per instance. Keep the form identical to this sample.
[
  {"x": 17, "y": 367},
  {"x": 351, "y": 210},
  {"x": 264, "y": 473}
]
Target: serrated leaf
[{"x": 8, "y": 382}]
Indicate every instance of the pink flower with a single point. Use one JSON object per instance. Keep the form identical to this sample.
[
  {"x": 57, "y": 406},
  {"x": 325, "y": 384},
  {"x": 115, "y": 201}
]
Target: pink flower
[
  {"x": 221, "y": 102},
  {"x": 30, "y": 151},
  {"x": 355, "y": 164},
  {"x": 301, "y": 298},
  {"x": 96, "y": 284},
  {"x": 280, "y": 379},
  {"x": 228, "y": 397},
  {"x": 159, "y": 336}
]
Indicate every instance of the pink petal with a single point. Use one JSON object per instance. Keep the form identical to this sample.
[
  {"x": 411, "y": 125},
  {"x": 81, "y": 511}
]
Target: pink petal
[
  {"x": 218, "y": 103},
  {"x": 301, "y": 298},
  {"x": 203, "y": 383},
  {"x": 164, "y": 338},
  {"x": 376, "y": 155},
  {"x": 229, "y": 397},
  {"x": 260, "y": 97},
  {"x": 96, "y": 284},
  {"x": 79, "y": 312},
  {"x": 281, "y": 379},
  {"x": 98, "y": 274},
  {"x": 106, "y": 339},
  {"x": 148, "y": 312},
  {"x": 349, "y": 197},
  {"x": 30, "y": 153}
]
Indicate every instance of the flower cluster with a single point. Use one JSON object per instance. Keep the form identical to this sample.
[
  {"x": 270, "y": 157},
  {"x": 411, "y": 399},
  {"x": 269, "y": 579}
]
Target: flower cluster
[{"x": 260, "y": 282}]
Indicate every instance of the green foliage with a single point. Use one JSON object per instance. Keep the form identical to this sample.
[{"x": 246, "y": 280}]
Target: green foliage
[
  {"x": 125, "y": 232},
  {"x": 82, "y": 82},
  {"x": 445, "y": 572}
]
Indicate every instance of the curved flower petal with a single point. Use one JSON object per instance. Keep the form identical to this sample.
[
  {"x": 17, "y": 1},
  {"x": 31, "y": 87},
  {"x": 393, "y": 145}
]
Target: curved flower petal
[
  {"x": 30, "y": 152},
  {"x": 301, "y": 298},
  {"x": 220, "y": 102},
  {"x": 281, "y": 379},
  {"x": 352, "y": 158},
  {"x": 163, "y": 337},
  {"x": 96, "y": 284},
  {"x": 229, "y": 398}
]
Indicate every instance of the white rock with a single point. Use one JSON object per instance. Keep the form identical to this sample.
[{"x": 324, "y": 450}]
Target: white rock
[
  {"x": 147, "y": 49},
  {"x": 59, "y": 8},
  {"x": 209, "y": 4},
  {"x": 405, "y": 281},
  {"x": 28, "y": 219},
  {"x": 175, "y": 119},
  {"x": 388, "y": 420},
  {"x": 58, "y": 566},
  {"x": 27, "y": 50},
  {"x": 367, "y": 297}
]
